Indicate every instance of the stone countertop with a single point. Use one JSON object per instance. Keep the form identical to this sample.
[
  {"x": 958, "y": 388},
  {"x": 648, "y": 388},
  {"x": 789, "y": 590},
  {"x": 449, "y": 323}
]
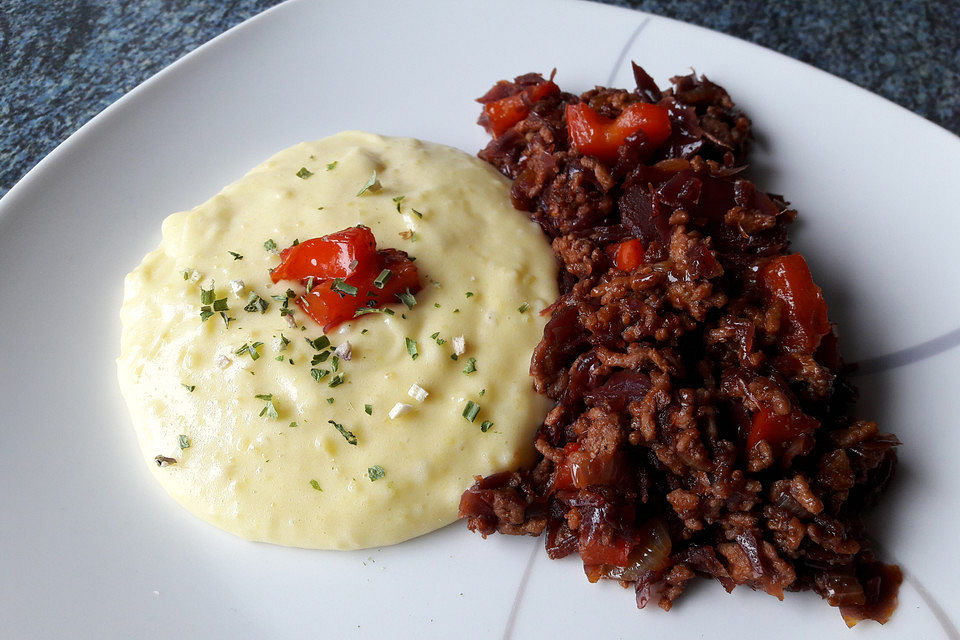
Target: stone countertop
[{"x": 63, "y": 61}]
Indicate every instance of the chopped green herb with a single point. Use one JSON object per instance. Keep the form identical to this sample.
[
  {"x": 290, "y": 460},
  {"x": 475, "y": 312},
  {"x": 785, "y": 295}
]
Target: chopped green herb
[
  {"x": 469, "y": 294},
  {"x": 456, "y": 310},
  {"x": 256, "y": 303},
  {"x": 279, "y": 358},
  {"x": 294, "y": 425},
  {"x": 206, "y": 295},
  {"x": 337, "y": 380},
  {"x": 251, "y": 349},
  {"x": 236, "y": 256},
  {"x": 319, "y": 374},
  {"x": 310, "y": 283},
  {"x": 482, "y": 392},
  {"x": 485, "y": 426},
  {"x": 362, "y": 311},
  {"x": 220, "y": 305},
  {"x": 407, "y": 298},
  {"x": 205, "y": 313},
  {"x": 319, "y": 343},
  {"x": 332, "y": 166},
  {"x": 188, "y": 387},
  {"x": 304, "y": 173},
  {"x": 471, "y": 410},
  {"x": 471, "y": 365},
  {"x": 226, "y": 320},
  {"x": 523, "y": 308},
  {"x": 382, "y": 278},
  {"x": 187, "y": 273},
  {"x": 368, "y": 409},
  {"x": 284, "y": 341},
  {"x": 417, "y": 213},
  {"x": 270, "y": 409},
  {"x": 376, "y": 472},
  {"x": 184, "y": 442},
  {"x": 364, "y": 332},
  {"x": 335, "y": 362},
  {"x": 343, "y": 288},
  {"x": 436, "y": 305},
  {"x": 369, "y": 185},
  {"x": 346, "y": 433},
  {"x": 315, "y": 484},
  {"x": 329, "y": 400},
  {"x": 398, "y": 200},
  {"x": 319, "y": 357},
  {"x": 454, "y": 356},
  {"x": 412, "y": 348},
  {"x": 270, "y": 245}
]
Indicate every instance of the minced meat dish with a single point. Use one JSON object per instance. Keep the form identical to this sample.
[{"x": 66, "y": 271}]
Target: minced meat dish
[{"x": 702, "y": 424}]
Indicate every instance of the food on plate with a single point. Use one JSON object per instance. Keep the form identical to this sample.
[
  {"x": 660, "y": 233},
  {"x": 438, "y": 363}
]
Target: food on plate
[
  {"x": 325, "y": 353},
  {"x": 702, "y": 421}
]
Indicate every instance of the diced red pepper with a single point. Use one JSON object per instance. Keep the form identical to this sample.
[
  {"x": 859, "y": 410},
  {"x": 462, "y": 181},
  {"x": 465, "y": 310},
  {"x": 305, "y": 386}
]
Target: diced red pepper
[
  {"x": 504, "y": 113},
  {"x": 628, "y": 255},
  {"x": 788, "y": 279},
  {"x": 329, "y": 307},
  {"x": 779, "y": 430},
  {"x": 616, "y": 552},
  {"x": 349, "y": 257},
  {"x": 337, "y": 255},
  {"x": 595, "y": 135}
]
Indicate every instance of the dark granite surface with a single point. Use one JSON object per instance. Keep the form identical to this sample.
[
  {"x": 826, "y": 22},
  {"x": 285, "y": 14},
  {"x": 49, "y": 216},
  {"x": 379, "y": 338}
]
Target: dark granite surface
[{"x": 63, "y": 61}]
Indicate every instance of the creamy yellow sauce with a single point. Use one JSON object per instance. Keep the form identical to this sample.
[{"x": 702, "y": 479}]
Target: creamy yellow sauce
[{"x": 277, "y": 470}]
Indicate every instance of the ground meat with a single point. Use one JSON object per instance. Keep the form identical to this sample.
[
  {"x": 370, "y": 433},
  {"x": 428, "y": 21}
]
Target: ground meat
[{"x": 703, "y": 417}]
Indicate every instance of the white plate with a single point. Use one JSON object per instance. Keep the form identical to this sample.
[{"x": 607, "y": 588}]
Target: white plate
[{"x": 92, "y": 547}]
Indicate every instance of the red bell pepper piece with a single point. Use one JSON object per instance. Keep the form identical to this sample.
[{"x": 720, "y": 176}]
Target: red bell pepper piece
[
  {"x": 595, "y": 135},
  {"x": 779, "y": 430},
  {"x": 805, "y": 322},
  {"x": 504, "y": 113},
  {"x": 628, "y": 255},
  {"x": 336, "y": 264}
]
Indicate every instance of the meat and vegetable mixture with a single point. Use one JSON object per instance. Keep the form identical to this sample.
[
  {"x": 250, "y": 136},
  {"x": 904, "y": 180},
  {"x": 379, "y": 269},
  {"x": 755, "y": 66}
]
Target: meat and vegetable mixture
[{"x": 702, "y": 423}]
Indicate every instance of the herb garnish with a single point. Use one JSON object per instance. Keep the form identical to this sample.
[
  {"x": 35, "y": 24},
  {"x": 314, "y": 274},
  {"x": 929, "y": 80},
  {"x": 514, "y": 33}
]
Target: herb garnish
[
  {"x": 485, "y": 426},
  {"x": 365, "y": 310},
  {"x": 270, "y": 409},
  {"x": 523, "y": 308},
  {"x": 471, "y": 410},
  {"x": 256, "y": 303},
  {"x": 376, "y": 472},
  {"x": 412, "y": 348},
  {"x": 236, "y": 256},
  {"x": 381, "y": 279},
  {"x": 318, "y": 343},
  {"x": 343, "y": 288},
  {"x": 332, "y": 166},
  {"x": 270, "y": 245},
  {"x": 469, "y": 294},
  {"x": 398, "y": 200},
  {"x": 188, "y": 387},
  {"x": 417, "y": 213},
  {"x": 319, "y": 374},
  {"x": 315, "y": 485},
  {"x": 368, "y": 409},
  {"x": 346, "y": 433},
  {"x": 337, "y": 380},
  {"x": 304, "y": 173},
  {"x": 294, "y": 425},
  {"x": 252, "y": 349},
  {"x": 370, "y": 185},
  {"x": 407, "y": 298},
  {"x": 471, "y": 365},
  {"x": 184, "y": 442}
]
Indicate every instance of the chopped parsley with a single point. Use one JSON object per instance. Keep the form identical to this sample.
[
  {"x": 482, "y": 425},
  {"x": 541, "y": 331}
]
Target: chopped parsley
[
  {"x": 471, "y": 365},
  {"x": 362, "y": 311},
  {"x": 412, "y": 348},
  {"x": 206, "y": 295},
  {"x": 269, "y": 409},
  {"x": 417, "y": 213},
  {"x": 188, "y": 387},
  {"x": 436, "y": 338},
  {"x": 436, "y": 305},
  {"x": 256, "y": 303},
  {"x": 523, "y": 308},
  {"x": 315, "y": 485},
  {"x": 236, "y": 256},
  {"x": 469, "y": 294},
  {"x": 337, "y": 380},
  {"x": 381, "y": 279},
  {"x": 454, "y": 356},
  {"x": 398, "y": 200},
  {"x": 370, "y": 185},
  {"x": 471, "y": 410},
  {"x": 184, "y": 442},
  {"x": 346, "y": 433},
  {"x": 343, "y": 288},
  {"x": 407, "y": 298},
  {"x": 221, "y": 305},
  {"x": 485, "y": 426},
  {"x": 329, "y": 400},
  {"x": 304, "y": 173},
  {"x": 251, "y": 349},
  {"x": 320, "y": 343},
  {"x": 332, "y": 166},
  {"x": 294, "y": 425},
  {"x": 319, "y": 374},
  {"x": 319, "y": 357},
  {"x": 376, "y": 472},
  {"x": 284, "y": 341},
  {"x": 270, "y": 245},
  {"x": 368, "y": 409}
]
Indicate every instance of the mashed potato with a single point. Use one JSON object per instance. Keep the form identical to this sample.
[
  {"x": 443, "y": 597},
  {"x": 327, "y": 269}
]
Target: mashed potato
[{"x": 230, "y": 412}]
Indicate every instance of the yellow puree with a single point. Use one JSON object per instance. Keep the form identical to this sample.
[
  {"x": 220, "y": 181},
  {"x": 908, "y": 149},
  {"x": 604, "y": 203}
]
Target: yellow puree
[{"x": 304, "y": 484}]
